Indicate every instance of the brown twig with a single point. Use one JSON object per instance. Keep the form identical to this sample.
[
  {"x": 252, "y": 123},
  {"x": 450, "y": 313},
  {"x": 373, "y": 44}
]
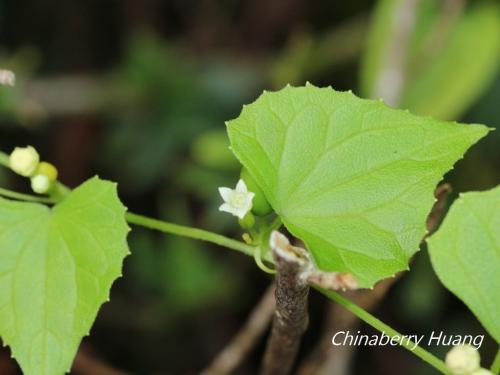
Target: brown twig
[
  {"x": 291, "y": 317},
  {"x": 239, "y": 347},
  {"x": 327, "y": 359},
  {"x": 61, "y": 95},
  {"x": 437, "y": 212},
  {"x": 391, "y": 78},
  {"x": 335, "y": 360},
  {"x": 86, "y": 364}
]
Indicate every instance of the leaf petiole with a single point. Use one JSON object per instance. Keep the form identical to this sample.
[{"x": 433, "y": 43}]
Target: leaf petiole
[{"x": 26, "y": 197}]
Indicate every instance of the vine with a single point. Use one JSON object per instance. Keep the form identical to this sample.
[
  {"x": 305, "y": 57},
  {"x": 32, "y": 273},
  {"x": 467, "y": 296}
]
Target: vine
[{"x": 361, "y": 220}]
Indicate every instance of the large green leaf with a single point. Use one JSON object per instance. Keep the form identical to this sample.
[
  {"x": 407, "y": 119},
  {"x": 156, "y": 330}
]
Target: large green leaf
[
  {"x": 56, "y": 269},
  {"x": 353, "y": 178},
  {"x": 465, "y": 253}
]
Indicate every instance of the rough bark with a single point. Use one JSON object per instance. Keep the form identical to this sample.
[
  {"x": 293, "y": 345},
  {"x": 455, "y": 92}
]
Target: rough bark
[{"x": 290, "y": 318}]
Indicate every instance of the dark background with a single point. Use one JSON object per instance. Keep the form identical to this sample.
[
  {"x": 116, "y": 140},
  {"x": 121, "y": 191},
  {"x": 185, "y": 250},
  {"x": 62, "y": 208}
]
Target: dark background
[{"x": 138, "y": 92}]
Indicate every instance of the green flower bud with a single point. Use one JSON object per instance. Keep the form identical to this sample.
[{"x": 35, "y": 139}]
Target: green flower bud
[
  {"x": 247, "y": 238},
  {"x": 248, "y": 221},
  {"x": 40, "y": 184},
  {"x": 260, "y": 206},
  {"x": 24, "y": 161},
  {"x": 47, "y": 169}
]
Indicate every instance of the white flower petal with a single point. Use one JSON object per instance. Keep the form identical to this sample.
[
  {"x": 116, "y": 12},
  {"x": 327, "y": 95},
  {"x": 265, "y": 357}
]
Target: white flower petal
[
  {"x": 247, "y": 206},
  {"x": 240, "y": 212},
  {"x": 241, "y": 187},
  {"x": 225, "y": 193},
  {"x": 225, "y": 207}
]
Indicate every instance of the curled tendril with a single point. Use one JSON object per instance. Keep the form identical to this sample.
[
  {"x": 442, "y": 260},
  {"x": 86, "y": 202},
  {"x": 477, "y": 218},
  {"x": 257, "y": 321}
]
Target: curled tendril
[{"x": 257, "y": 256}]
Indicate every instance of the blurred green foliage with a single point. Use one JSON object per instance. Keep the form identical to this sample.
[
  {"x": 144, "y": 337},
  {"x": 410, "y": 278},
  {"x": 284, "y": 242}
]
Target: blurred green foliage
[
  {"x": 452, "y": 54},
  {"x": 158, "y": 105},
  {"x": 162, "y": 267},
  {"x": 211, "y": 150}
]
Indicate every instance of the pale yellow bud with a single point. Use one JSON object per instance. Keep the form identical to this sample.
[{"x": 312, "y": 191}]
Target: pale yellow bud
[
  {"x": 463, "y": 360},
  {"x": 40, "y": 184},
  {"x": 24, "y": 161},
  {"x": 482, "y": 371}
]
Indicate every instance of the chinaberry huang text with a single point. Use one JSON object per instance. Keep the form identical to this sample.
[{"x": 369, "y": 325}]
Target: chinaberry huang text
[{"x": 347, "y": 338}]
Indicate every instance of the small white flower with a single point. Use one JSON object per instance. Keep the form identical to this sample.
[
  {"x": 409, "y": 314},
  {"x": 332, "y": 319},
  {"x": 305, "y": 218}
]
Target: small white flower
[
  {"x": 40, "y": 183},
  {"x": 24, "y": 160},
  {"x": 237, "y": 202},
  {"x": 463, "y": 360}
]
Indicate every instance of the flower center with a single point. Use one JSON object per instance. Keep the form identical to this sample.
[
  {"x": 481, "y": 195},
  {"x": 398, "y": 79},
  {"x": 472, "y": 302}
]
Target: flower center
[{"x": 238, "y": 199}]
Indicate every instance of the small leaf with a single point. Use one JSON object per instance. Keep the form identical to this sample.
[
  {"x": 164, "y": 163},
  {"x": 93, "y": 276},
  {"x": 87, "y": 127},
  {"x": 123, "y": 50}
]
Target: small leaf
[
  {"x": 353, "y": 178},
  {"x": 56, "y": 269},
  {"x": 465, "y": 253}
]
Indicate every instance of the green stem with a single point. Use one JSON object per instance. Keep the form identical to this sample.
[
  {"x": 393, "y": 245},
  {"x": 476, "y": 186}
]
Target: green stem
[
  {"x": 4, "y": 159},
  {"x": 25, "y": 197},
  {"x": 147, "y": 222},
  {"x": 495, "y": 367},
  {"x": 276, "y": 224},
  {"x": 181, "y": 230},
  {"x": 384, "y": 328},
  {"x": 59, "y": 191}
]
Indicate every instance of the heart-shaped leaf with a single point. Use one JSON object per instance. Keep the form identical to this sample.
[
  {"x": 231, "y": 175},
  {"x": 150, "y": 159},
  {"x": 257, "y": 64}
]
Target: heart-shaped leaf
[
  {"x": 353, "y": 178},
  {"x": 56, "y": 269},
  {"x": 465, "y": 253}
]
